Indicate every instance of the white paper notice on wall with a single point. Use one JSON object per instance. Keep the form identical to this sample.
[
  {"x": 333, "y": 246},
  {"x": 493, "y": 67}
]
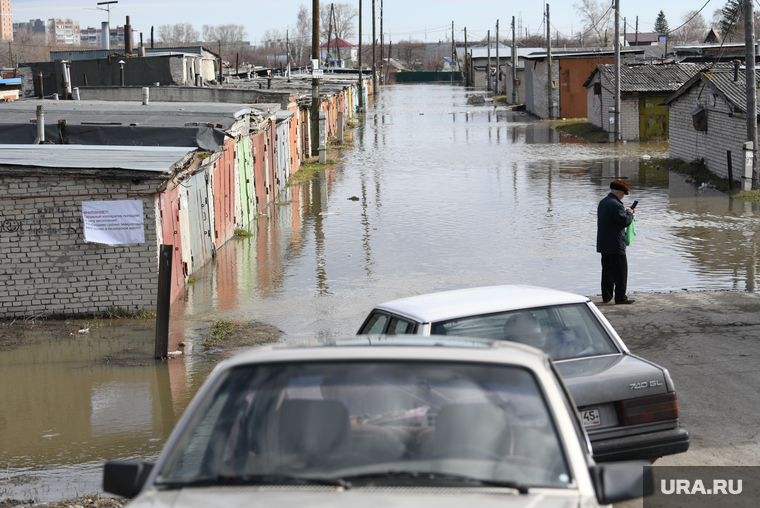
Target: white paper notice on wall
[{"x": 113, "y": 222}]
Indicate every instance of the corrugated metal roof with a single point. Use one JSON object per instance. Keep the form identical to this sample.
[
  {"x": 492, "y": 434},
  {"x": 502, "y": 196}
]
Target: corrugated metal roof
[
  {"x": 137, "y": 158},
  {"x": 720, "y": 79},
  {"x": 650, "y": 77},
  {"x": 155, "y": 114}
]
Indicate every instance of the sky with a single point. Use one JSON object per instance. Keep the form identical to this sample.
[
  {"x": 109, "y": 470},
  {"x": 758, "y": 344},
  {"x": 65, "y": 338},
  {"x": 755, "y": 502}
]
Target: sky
[{"x": 423, "y": 20}]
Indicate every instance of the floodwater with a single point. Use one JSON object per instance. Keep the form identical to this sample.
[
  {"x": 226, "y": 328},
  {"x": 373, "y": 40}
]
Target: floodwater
[{"x": 435, "y": 195}]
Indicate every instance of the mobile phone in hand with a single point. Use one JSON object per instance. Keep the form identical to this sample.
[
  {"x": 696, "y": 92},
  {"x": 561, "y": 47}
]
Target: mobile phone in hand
[{"x": 633, "y": 206}]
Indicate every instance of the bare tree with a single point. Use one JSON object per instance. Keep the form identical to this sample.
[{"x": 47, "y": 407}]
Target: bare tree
[
  {"x": 694, "y": 29},
  {"x": 27, "y": 46},
  {"x": 273, "y": 38},
  {"x": 342, "y": 22},
  {"x": 230, "y": 36},
  {"x": 301, "y": 39},
  {"x": 597, "y": 20},
  {"x": 178, "y": 34},
  {"x": 411, "y": 53}
]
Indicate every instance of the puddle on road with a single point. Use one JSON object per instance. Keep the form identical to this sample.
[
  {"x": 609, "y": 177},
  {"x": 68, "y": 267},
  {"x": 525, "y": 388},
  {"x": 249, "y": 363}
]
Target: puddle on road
[{"x": 449, "y": 196}]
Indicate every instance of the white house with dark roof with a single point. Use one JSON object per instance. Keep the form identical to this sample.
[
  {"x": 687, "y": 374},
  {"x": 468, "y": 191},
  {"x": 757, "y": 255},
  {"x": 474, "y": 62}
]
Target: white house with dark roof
[
  {"x": 643, "y": 89},
  {"x": 708, "y": 121}
]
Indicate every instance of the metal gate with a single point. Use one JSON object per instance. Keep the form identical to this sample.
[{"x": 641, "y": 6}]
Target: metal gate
[{"x": 653, "y": 119}]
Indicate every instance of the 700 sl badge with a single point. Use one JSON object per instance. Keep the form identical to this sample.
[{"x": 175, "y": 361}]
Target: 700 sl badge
[{"x": 645, "y": 384}]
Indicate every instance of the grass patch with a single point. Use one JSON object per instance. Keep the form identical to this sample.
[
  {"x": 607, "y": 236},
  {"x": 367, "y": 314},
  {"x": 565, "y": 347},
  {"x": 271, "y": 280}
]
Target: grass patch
[
  {"x": 309, "y": 169},
  {"x": 243, "y": 233},
  {"x": 119, "y": 313},
  {"x": 192, "y": 280},
  {"x": 220, "y": 332},
  {"x": 697, "y": 172},
  {"x": 281, "y": 203},
  {"x": 231, "y": 334},
  {"x": 500, "y": 98},
  {"x": 583, "y": 130}
]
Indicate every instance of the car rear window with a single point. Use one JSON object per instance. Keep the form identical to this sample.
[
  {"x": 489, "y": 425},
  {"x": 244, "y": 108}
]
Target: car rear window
[
  {"x": 349, "y": 420},
  {"x": 563, "y": 332}
]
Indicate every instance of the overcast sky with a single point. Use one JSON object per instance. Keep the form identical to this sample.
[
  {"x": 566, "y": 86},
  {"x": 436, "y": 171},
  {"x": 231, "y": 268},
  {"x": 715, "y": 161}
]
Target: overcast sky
[{"x": 425, "y": 20}]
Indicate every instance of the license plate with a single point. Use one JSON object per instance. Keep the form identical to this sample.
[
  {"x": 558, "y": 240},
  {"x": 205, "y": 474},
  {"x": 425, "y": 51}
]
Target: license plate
[{"x": 591, "y": 418}]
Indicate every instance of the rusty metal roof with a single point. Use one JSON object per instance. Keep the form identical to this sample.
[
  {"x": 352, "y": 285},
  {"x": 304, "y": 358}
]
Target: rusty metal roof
[{"x": 644, "y": 78}]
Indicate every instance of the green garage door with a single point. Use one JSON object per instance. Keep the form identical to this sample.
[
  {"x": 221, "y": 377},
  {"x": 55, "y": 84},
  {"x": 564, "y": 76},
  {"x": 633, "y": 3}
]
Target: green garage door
[{"x": 653, "y": 119}]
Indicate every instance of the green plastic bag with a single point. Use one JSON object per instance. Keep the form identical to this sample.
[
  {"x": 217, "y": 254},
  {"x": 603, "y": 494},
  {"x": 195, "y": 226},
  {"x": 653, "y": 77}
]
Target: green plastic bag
[{"x": 630, "y": 232}]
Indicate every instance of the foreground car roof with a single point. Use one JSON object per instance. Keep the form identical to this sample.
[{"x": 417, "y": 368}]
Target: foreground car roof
[
  {"x": 474, "y": 301},
  {"x": 434, "y": 348}
]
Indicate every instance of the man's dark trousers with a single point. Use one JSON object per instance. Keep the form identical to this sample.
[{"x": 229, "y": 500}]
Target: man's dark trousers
[{"x": 614, "y": 275}]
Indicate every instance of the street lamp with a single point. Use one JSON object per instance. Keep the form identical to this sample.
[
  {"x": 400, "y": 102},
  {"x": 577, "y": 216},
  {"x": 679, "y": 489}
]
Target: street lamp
[{"x": 121, "y": 71}]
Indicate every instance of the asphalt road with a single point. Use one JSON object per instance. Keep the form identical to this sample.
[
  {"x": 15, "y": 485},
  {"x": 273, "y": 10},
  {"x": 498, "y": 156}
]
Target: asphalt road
[{"x": 710, "y": 343}]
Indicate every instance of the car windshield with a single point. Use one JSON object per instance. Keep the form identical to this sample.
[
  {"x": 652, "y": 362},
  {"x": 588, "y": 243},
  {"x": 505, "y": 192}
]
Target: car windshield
[
  {"x": 562, "y": 332},
  {"x": 384, "y": 423}
]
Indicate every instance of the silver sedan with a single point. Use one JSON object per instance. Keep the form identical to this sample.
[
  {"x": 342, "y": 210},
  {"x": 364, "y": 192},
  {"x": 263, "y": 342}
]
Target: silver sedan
[
  {"x": 434, "y": 421},
  {"x": 628, "y": 404}
]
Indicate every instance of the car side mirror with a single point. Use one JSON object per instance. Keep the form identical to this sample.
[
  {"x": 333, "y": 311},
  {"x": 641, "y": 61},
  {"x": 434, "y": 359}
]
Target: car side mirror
[
  {"x": 125, "y": 478},
  {"x": 620, "y": 481}
]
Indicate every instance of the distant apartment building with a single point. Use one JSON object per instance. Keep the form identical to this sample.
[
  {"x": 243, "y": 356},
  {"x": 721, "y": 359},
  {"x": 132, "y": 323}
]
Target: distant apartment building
[
  {"x": 94, "y": 36},
  {"x": 63, "y": 31},
  {"x": 35, "y": 26},
  {"x": 6, "y": 20}
]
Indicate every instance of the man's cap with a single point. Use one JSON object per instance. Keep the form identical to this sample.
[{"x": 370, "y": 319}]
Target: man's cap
[{"x": 620, "y": 186}]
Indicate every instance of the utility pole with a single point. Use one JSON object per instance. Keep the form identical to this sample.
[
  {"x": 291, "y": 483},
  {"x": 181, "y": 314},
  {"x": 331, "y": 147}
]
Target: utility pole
[
  {"x": 497, "y": 58},
  {"x": 374, "y": 51},
  {"x": 488, "y": 69},
  {"x": 637, "y": 31},
  {"x": 466, "y": 61},
  {"x": 750, "y": 86},
  {"x": 453, "y": 53},
  {"x": 287, "y": 51},
  {"x": 549, "y": 62},
  {"x": 315, "y": 106},
  {"x": 382, "y": 46},
  {"x": 361, "y": 81},
  {"x": 617, "y": 71},
  {"x": 515, "y": 59}
]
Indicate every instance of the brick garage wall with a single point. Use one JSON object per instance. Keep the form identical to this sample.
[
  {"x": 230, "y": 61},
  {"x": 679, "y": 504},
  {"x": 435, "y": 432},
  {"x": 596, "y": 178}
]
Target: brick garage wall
[
  {"x": 46, "y": 267},
  {"x": 724, "y": 133},
  {"x": 599, "y": 109},
  {"x": 540, "y": 84}
]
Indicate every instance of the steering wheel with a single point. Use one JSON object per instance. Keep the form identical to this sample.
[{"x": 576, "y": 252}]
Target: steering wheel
[{"x": 456, "y": 450}]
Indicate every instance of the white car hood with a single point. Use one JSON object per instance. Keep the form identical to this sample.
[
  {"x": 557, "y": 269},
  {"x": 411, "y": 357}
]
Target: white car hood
[{"x": 367, "y": 497}]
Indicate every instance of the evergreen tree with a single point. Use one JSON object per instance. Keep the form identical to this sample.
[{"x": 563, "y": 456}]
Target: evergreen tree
[
  {"x": 732, "y": 20},
  {"x": 661, "y": 24}
]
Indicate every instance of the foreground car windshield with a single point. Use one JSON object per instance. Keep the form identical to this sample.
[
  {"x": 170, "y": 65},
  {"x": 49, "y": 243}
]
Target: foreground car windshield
[
  {"x": 562, "y": 332},
  {"x": 388, "y": 422}
]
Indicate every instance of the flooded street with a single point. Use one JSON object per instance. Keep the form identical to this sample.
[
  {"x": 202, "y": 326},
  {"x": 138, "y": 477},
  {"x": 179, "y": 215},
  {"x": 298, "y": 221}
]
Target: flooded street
[{"x": 435, "y": 195}]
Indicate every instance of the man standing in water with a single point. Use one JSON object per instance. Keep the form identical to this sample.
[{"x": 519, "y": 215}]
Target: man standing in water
[{"x": 612, "y": 217}]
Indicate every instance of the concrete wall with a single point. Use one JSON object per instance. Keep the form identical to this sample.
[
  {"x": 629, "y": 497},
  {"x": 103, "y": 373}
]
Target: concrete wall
[
  {"x": 724, "y": 133},
  {"x": 45, "y": 264},
  {"x": 183, "y": 94}
]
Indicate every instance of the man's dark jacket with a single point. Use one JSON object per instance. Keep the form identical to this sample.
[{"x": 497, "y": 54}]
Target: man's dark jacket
[{"x": 611, "y": 221}]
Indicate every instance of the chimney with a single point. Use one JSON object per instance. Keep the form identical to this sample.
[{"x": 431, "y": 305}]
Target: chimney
[
  {"x": 105, "y": 35},
  {"x": 736, "y": 69},
  {"x": 128, "y": 37}
]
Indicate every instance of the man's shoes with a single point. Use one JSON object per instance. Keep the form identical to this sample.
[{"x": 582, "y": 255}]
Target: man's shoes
[
  {"x": 606, "y": 301},
  {"x": 626, "y": 301}
]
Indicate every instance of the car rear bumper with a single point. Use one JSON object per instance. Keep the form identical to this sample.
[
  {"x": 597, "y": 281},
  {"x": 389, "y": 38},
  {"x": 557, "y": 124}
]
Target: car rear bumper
[{"x": 642, "y": 446}]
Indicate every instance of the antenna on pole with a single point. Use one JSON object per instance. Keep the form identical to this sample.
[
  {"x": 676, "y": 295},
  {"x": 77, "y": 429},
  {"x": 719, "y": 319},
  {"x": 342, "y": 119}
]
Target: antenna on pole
[{"x": 108, "y": 9}]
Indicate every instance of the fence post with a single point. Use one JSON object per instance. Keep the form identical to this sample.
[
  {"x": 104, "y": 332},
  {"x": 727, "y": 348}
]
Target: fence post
[{"x": 164, "y": 300}]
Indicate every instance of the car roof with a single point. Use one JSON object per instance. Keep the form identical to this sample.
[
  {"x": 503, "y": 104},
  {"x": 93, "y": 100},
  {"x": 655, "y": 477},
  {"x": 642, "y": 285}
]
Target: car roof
[
  {"x": 394, "y": 348},
  {"x": 458, "y": 303}
]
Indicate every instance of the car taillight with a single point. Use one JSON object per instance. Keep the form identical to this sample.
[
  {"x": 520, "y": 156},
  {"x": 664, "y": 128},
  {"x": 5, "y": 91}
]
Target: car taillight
[{"x": 648, "y": 409}]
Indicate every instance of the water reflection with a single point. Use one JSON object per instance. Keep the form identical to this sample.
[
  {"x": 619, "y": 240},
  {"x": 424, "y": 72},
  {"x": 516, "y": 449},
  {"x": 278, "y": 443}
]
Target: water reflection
[{"x": 434, "y": 195}]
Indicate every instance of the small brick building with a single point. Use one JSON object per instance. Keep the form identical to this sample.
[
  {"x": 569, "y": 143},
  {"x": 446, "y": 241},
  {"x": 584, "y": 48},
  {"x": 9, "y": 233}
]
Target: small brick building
[
  {"x": 46, "y": 266},
  {"x": 708, "y": 121},
  {"x": 643, "y": 89}
]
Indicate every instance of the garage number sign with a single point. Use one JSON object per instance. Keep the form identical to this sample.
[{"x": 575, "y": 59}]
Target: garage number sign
[{"x": 113, "y": 222}]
